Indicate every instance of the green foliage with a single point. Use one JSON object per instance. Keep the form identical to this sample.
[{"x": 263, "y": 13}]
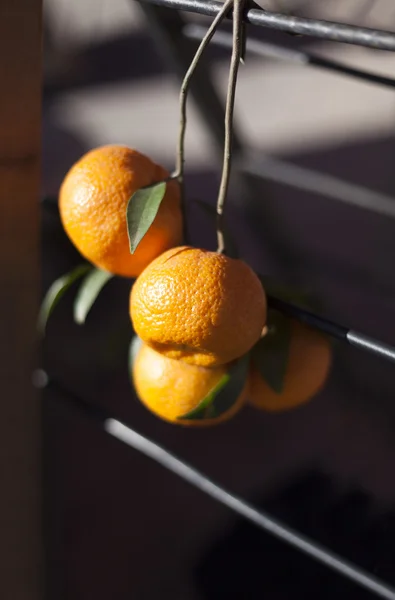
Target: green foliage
[
  {"x": 56, "y": 291},
  {"x": 222, "y": 397},
  {"x": 88, "y": 293},
  {"x": 141, "y": 211},
  {"x": 270, "y": 355}
]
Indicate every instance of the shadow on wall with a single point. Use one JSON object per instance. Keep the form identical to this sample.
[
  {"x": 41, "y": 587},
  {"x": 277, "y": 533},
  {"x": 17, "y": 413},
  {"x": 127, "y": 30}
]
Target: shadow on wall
[{"x": 129, "y": 57}]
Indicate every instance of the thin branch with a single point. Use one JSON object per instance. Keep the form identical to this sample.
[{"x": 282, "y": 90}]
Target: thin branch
[
  {"x": 179, "y": 172},
  {"x": 237, "y": 52}
]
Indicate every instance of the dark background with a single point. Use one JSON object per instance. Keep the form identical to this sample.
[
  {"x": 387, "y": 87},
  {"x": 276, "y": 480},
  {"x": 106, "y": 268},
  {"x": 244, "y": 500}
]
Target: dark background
[{"x": 119, "y": 526}]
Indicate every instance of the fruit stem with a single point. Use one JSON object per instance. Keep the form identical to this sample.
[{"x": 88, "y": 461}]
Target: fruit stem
[
  {"x": 180, "y": 156},
  {"x": 179, "y": 172},
  {"x": 237, "y": 55}
]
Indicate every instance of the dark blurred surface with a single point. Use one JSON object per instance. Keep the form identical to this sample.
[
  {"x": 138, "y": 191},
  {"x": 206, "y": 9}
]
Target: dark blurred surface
[
  {"x": 119, "y": 526},
  {"x": 257, "y": 564}
]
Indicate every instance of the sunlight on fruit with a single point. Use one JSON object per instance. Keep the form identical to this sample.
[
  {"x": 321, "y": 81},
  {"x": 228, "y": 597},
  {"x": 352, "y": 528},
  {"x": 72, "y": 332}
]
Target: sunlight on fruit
[
  {"x": 197, "y": 306},
  {"x": 93, "y": 200},
  {"x": 172, "y": 388}
]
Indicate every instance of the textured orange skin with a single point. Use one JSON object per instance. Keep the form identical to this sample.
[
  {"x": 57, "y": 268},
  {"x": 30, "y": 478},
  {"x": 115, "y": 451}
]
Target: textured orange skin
[
  {"x": 93, "y": 200},
  {"x": 171, "y": 388},
  {"x": 198, "y": 306},
  {"x": 310, "y": 357}
]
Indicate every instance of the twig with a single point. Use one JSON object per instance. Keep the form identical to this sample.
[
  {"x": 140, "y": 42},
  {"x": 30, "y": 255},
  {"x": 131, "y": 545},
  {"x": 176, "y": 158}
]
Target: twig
[
  {"x": 180, "y": 156},
  {"x": 237, "y": 52},
  {"x": 179, "y": 171}
]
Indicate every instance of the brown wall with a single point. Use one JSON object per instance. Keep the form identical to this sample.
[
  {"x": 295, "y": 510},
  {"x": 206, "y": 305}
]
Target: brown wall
[{"x": 20, "y": 106}]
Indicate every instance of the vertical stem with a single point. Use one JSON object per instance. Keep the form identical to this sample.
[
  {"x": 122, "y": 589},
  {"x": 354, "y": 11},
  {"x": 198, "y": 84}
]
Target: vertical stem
[
  {"x": 179, "y": 171},
  {"x": 180, "y": 156},
  {"x": 237, "y": 52}
]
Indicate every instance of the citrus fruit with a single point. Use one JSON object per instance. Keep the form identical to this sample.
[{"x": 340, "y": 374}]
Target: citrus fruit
[
  {"x": 308, "y": 366},
  {"x": 171, "y": 388},
  {"x": 198, "y": 306},
  {"x": 93, "y": 200}
]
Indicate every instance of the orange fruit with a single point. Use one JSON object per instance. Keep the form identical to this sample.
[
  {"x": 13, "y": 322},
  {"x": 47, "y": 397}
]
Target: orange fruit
[
  {"x": 171, "y": 388},
  {"x": 197, "y": 306},
  {"x": 93, "y": 200},
  {"x": 309, "y": 361}
]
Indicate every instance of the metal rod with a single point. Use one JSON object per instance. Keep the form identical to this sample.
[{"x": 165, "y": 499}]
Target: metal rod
[
  {"x": 266, "y": 49},
  {"x": 302, "y": 178},
  {"x": 340, "y": 332},
  {"x": 279, "y": 171},
  {"x": 261, "y": 519},
  {"x": 373, "y": 346},
  {"x": 324, "y": 30}
]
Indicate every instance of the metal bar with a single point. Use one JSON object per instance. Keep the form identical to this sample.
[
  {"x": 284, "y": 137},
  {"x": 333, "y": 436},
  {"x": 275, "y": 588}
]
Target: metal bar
[
  {"x": 302, "y": 178},
  {"x": 261, "y": 519},
  {"x": 359, "y": 340},
  {"x": 324, "y": 30},
  {"x": 279, "y": 171},
  {"x": 367, "y": 343},
  {"x": 268, "y": 50}
]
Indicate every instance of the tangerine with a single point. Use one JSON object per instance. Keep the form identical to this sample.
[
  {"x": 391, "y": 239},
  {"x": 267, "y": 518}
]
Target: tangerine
[
  {"x": 198, "y": 306},
  {"x": 171, "y": 388},
  {"x": 93, "y": 200},
  {"x": 309, "y": 361}
]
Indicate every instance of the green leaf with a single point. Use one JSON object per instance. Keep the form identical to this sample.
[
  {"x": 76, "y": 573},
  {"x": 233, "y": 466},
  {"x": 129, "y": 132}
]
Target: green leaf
[
  {"x": 270, "y": 355},
  {"x": 201, "y": 409},
  {"x": 134, "y": 348},
  {"x": 223, "y": 395},
  {"x": 230, "y": 246},
  {"x": 55, "y": 293},
  {"x": 141, "y": 211},
  {"x": 88, "y": 292}
]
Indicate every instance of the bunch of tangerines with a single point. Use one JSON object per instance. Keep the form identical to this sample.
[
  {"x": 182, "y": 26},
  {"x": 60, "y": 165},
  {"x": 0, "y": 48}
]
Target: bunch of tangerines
[{"x": 205, "y": 341}]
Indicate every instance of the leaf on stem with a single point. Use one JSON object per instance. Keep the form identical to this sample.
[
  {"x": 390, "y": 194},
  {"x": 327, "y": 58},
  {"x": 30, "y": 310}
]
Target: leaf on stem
[
  {"x": 222, "y": 397},
  {"x": 55, "y": 293},
  {"x": 270, "y": 355},
  {"x": 88, "y": 293},
  {"x": 141, "y": 211}
]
